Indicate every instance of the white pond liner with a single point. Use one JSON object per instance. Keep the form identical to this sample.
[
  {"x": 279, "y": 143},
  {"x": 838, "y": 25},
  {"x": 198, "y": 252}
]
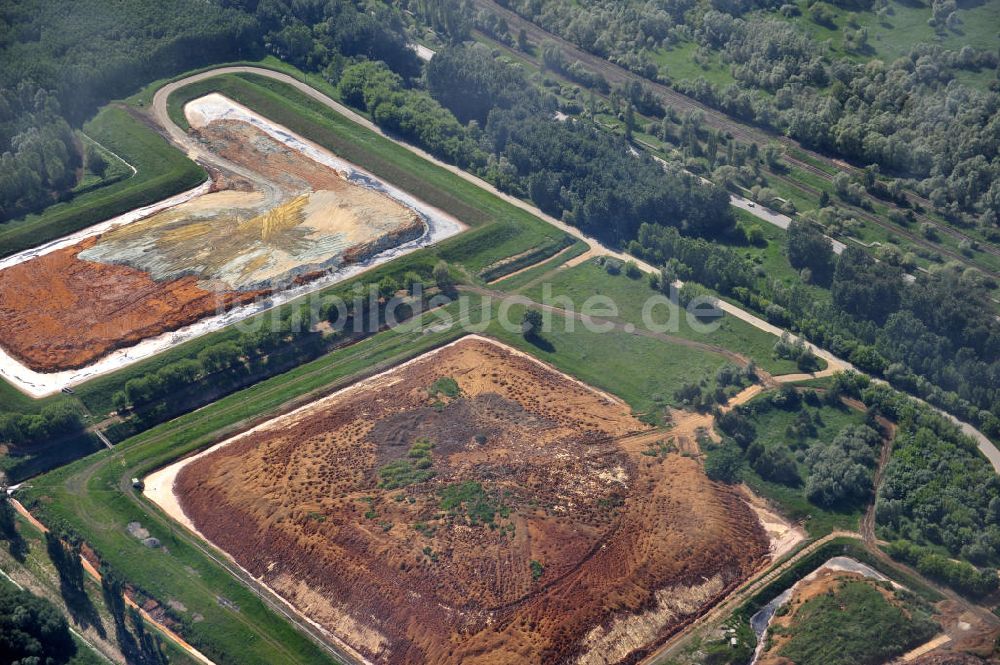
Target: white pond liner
[{"x": 438, "y": 226}]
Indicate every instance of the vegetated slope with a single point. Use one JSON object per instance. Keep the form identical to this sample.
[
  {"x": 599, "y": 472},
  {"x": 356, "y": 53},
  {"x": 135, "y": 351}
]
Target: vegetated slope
[
  {"x": 840, "y": 618},
  {"x": 476, "y": 507}
]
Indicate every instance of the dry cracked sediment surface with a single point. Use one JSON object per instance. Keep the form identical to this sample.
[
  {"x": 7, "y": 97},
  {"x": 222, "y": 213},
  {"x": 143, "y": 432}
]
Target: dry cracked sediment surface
[
  {"x": 293, "y": 221},
  {"x": 521, "y": 519}
]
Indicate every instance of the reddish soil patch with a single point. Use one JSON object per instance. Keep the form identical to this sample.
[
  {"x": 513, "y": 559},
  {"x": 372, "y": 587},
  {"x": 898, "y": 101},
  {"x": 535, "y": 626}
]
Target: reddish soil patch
[
  {"x": 573, "y": 543},
  {"x": 62, "y": 313}
]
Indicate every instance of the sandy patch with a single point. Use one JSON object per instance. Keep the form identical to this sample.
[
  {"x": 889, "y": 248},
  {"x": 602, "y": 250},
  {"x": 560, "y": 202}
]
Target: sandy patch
[{"x": 782, "y": 534}]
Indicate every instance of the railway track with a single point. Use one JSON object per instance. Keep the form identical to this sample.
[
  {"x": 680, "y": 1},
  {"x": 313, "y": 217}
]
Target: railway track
[
  {"x": 898, "y": 230},
  {"x": 615, "y": 74}
]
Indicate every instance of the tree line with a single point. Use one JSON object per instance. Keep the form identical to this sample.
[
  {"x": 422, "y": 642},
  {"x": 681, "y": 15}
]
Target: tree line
[
  {"x": 38, "y": 152},
  {"x": 933, "y": 336},
  {"x": 912, "y": 117}
]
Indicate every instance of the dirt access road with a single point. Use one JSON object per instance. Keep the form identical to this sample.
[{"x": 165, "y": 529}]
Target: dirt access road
[{"x": 176, "y": 134}]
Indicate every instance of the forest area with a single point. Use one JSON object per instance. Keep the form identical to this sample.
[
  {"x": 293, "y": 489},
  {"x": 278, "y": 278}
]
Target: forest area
[{"x": 915, "y": 117}]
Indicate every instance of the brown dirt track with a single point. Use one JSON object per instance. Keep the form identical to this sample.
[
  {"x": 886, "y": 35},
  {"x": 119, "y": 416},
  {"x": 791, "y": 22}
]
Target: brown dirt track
[
  {"x": 61, "y": 313},
  {"x": 632, "y": 544}
]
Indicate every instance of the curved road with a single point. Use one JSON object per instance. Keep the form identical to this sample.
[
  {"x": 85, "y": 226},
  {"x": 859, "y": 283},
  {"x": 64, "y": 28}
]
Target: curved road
[{"x": 178, "y": 136}]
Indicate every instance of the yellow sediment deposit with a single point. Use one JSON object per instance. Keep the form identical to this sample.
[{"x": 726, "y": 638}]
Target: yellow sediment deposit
[
  {"x": 278, "y": 219},
  {"x": 305, "y": 218}
]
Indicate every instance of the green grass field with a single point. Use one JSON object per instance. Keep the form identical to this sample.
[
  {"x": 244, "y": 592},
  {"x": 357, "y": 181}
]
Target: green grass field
[
  {"x": 680, "y": 64},
  {"x": 630, "y": 296},
  {"x": 642, "y": 371},
  {"x": 905, "y": 26},
  {"x": 771, "y": 432},
  {"x": 162, "y": 171}
]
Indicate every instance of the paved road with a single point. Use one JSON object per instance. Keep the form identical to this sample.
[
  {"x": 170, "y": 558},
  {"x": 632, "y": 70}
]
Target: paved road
[{"x": 755, "y": 209}]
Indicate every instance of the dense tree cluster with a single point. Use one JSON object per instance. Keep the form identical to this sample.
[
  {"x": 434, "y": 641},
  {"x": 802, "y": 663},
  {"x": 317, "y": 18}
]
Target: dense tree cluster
[
  {"x": 471, "y": 82},
  {"x": 912, "y": 116},
  {"x": 958, "y": 575},
  {"x": 95, "y": 50},
  {"x": 569, "y": 169},
  {"x": 809, "y": 248},
  {"x": 937, "y": 489},
  {"x": 52, "y": 422},
  {"x": 840, "y": 471},
  {"x": 412, "y": 114},
  {"x": 318, "y": 34},
  {"x": 38, "y": 155},
  {"x": 32, "y": 630},
  {"x": 684, "y": 258}
]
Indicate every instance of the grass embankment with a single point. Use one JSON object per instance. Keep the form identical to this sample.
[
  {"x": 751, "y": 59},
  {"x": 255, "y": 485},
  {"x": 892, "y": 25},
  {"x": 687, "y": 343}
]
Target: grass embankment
[{"x": 161, "y": 171}]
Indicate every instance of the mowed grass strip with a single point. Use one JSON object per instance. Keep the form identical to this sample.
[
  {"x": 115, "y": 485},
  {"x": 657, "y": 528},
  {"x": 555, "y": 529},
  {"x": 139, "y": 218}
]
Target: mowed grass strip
[
  {"x": 630, "y": 296},
  {"x": 161, "y": 172}
]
